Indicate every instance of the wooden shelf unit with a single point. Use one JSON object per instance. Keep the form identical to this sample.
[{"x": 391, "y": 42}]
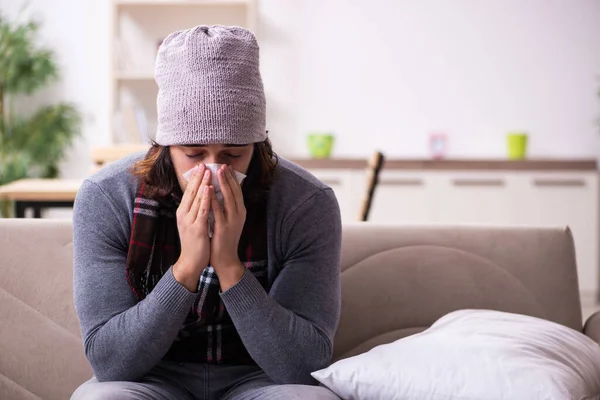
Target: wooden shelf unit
[
  {"x": 180, "y": 3},
  {"x": 138, "y": 27}
]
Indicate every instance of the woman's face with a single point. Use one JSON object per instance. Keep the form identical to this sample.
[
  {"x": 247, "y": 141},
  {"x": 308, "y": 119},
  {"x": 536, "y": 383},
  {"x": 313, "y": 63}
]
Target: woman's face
[{"x": 187, "y": 157}]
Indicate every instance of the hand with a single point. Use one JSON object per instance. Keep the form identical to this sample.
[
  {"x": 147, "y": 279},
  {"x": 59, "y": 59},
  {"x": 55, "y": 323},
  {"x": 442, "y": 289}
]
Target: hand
[
  {"x": 192, "y": 223},
  {"x": 228, "y": 229}
]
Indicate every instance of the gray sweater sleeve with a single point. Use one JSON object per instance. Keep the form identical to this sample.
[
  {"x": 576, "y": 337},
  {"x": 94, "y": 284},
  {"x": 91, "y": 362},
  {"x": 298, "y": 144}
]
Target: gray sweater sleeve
[
  {"x": 123, "y": 338},
  {"x": 289, "y": 331}
]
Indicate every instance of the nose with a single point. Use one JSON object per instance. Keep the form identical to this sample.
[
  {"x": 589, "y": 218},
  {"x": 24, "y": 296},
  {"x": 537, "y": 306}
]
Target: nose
[{"x": 210, "y": 159}]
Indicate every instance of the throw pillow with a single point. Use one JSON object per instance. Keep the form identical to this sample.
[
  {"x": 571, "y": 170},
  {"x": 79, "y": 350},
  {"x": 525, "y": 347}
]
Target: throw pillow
[{"x": 474, "y": 354}]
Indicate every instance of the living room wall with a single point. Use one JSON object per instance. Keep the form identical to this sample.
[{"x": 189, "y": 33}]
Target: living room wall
[{"x": 383, "y": 74}]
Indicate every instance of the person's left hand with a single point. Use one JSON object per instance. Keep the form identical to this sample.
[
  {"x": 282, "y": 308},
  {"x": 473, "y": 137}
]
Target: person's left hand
[{"x": 227, "y": 230}]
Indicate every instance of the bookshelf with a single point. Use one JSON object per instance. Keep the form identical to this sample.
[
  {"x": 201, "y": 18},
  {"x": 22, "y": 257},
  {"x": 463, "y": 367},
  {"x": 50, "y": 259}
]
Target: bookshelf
[
  {"x": 178, "y": 3},
  {"x": 138, "y": 27}
]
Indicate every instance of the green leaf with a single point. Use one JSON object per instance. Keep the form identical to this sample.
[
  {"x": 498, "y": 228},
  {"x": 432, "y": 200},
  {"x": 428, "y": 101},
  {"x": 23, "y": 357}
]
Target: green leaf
[
  {"x": 24, "y": 66},
  {"x": 30, "y": 146},
  {"x": 15, "y": 166},
  {"x": 45, "y": 136}
]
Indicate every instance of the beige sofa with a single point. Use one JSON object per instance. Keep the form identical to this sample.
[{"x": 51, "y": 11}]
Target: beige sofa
[{"x": 396, "y": 281}]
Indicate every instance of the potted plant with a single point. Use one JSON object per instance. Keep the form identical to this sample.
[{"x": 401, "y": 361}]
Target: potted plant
[{"x": 31, "y": 146}]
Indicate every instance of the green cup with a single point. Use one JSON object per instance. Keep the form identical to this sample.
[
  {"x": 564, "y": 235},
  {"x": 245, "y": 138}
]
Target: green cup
[
  {"x": 320, "y": 145},
  {"x": 517, "y": 145}
]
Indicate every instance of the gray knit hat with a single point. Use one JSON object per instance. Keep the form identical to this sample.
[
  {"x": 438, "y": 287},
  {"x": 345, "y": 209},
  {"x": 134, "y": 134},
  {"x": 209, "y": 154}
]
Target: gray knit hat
[{"x": 209, "y": 87}]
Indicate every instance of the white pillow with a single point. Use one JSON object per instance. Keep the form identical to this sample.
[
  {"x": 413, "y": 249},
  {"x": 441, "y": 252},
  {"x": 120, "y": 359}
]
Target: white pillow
[{"x": 474, "y": 355}]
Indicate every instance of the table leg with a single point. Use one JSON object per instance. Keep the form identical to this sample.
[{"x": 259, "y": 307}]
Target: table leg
[
  {"x": 20, "y": 208},
  {"x": 37, "y": 212}
]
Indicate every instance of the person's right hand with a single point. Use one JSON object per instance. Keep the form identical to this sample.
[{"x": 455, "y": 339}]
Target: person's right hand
[{"x": 192, "y": 223}]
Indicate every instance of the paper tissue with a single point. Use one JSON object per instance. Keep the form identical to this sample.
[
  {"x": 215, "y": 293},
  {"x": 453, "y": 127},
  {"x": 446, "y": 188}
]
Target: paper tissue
[{"x": 215, "y": 183}]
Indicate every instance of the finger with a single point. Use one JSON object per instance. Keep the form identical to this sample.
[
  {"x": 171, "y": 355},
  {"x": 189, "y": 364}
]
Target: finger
[
  {"x": 216, "y": 208},
  {"x": 229, "y": 200},
  {"x": 198, "y": 199},
  {"x": 238, "y": 195},
  {"x": 202, "y": 217},
  {"x": 192, "y": 189}
]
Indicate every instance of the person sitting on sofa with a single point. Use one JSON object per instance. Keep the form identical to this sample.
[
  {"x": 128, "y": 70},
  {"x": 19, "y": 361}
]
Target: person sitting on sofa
[{"x": 181, "y": 296}]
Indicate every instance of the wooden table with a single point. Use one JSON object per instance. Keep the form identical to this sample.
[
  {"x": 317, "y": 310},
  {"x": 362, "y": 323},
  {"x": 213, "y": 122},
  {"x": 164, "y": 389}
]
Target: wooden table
[{"x": 38, "y": 194}]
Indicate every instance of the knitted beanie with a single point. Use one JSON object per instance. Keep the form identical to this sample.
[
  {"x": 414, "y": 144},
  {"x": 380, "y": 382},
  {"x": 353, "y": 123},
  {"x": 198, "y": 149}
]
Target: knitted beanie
[{"x": 209, "y": 87}]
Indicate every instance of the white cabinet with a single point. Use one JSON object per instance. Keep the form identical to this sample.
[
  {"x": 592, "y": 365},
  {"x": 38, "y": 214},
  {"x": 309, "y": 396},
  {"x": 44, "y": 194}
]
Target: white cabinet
[
  {"x": 525, "y": 198},
  {"x": 347, "y": 189},
  {"x": 403, "y": 198},
  {"x": 474, "y": 198},
  {"x": 564, "y": 199}
]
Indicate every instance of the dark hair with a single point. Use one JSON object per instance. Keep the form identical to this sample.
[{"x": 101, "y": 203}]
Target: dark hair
[{"x": 158, "y": 172}]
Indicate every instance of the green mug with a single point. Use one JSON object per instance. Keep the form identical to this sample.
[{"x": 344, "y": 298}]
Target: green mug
[
  {"x": 517, "y": 145},
  {"x": 320, "y": 145}
]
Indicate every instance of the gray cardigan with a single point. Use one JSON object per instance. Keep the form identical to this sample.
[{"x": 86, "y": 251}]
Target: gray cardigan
[{"x": 288, "y": 331}]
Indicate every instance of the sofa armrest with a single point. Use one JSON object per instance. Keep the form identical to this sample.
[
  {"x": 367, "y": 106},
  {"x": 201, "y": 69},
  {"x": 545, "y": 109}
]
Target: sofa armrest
[{"x": 592, "y": 327}]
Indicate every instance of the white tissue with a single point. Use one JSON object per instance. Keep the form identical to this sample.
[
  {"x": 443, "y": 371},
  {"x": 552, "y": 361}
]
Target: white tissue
[{"x": 215, "y": 183}]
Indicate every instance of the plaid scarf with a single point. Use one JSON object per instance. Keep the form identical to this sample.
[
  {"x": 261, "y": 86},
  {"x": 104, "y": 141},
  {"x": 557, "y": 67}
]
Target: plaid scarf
[
  {"x": 153, "y": 244},
  {"x": 208, "y": 334}
]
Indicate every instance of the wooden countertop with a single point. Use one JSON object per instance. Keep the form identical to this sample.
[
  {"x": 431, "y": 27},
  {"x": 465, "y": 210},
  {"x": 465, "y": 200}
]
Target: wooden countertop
[
  {"x": 103, "y": 155},
  {"x": 456, "y": 164}
]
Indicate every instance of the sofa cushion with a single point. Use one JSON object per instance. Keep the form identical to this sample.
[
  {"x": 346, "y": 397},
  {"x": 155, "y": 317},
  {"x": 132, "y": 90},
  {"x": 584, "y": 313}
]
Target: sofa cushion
[
  {"x": 41, "y": 350},
  {"x": 474, "y": 354}
]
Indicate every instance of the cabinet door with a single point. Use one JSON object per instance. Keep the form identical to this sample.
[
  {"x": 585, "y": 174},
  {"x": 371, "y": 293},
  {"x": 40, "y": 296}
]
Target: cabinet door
[
  {"x": 341, "y": 182},
  {"x": 568, "y": 199},
  {"x": 404, "y": 198},
  {"x": 481, "y": 198}
]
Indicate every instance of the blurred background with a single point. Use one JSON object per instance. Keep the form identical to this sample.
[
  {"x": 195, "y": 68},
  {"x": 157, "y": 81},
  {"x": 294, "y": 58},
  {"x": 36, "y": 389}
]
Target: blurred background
[{"x": 483, "y": 111}]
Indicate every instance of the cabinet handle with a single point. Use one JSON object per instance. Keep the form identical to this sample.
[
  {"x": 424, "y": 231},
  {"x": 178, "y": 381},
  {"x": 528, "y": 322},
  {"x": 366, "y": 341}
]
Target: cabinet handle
[
  {"x": 401, "y": 182},
  {"x": 331, "y": 182},
  {"x": 559, "y": 182},
  {"x": 478, "y": 182}
]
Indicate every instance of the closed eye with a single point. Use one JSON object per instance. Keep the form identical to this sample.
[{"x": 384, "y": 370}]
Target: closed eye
[{"x": 201, "y": 155}]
